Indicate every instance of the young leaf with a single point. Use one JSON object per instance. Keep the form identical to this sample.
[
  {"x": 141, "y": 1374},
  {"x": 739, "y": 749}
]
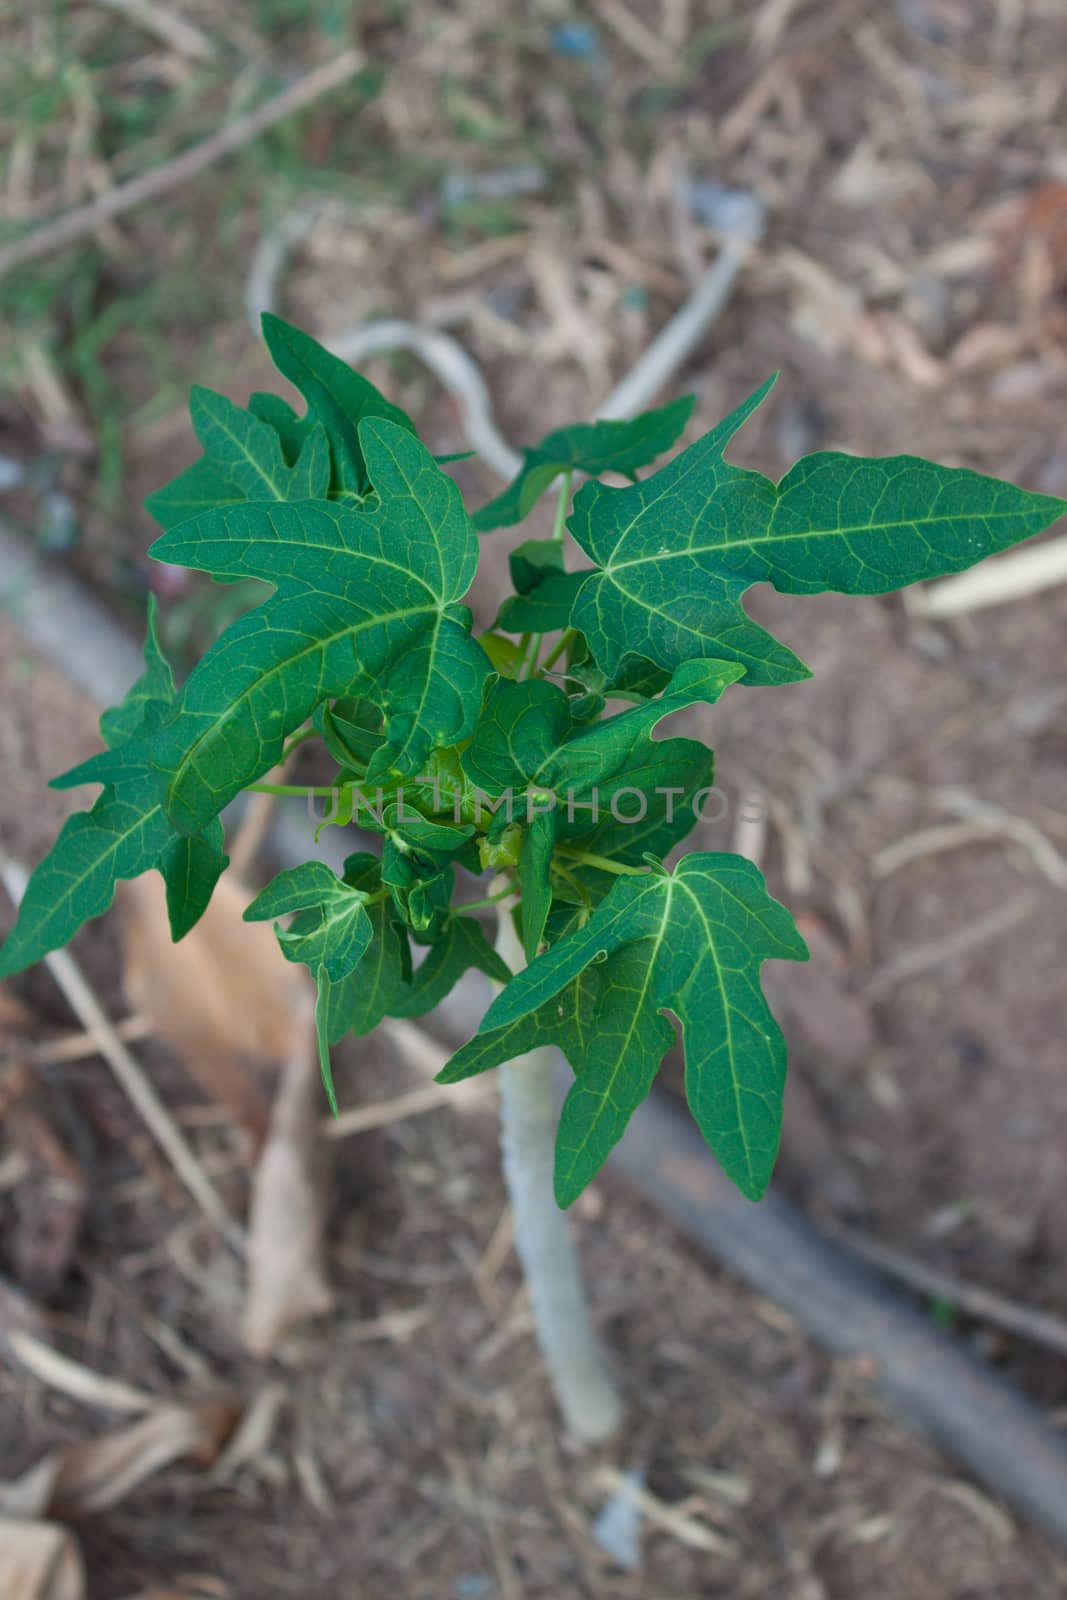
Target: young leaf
[
  {"x": 691, "y": 942},
  {"x": 546, "y": 608},
  {"x": 279, "y": 415},
  {"x": 351, "y": 730},
  {"x": 592, "y": 447},
  {"x": 331, "y": 931},
  {"x": 420, "y": 886},
  {"x": 520, "y": 728},
  {"x": 336, "y": 396},
  {"x": 538, "y": 843},
  {"x": 544, "y": 592},
  {"x": 191, "y": 866},
  {"x": 365, "y": 605},
  {"x": 360, "y": 1001},
  {"x": 249, "y": 452},
  {"x": 573, "y": 777},
  {"x": 677, "y": 551}
]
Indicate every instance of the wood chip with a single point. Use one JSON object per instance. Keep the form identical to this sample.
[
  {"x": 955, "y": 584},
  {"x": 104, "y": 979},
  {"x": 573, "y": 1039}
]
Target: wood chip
[{"x": 39, "y": 1561}]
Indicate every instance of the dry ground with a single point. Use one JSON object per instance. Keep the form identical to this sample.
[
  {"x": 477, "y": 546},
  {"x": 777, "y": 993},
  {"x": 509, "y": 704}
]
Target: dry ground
[{"x": 912, "y": 290}]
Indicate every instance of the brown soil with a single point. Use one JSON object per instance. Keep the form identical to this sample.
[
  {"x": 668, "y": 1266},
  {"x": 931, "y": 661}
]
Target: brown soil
[{"x": 912, "y": 291}]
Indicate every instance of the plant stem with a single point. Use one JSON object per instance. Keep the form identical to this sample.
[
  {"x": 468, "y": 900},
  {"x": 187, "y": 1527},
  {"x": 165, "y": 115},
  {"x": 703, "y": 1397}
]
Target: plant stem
[
  {"x": 462, "y": 907},
  {"x": 298, "y": 739},
  {"x": 586, "y": 858},
  {"x": 564, "y": 642},
  {"x": 291, "y": 788},
  {"x": 530, "y": 643},
  {"x": 588, "y": 1398},
  {"x": 562, "y": 506}
]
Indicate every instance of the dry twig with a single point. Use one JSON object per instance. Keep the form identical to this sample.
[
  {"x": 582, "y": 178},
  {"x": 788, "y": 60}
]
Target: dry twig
[
  {"x": 158, "y": 180},
  {"x": 1040, "y": 1327},
  {"x": 936, "y": 952},
  {"x": 166, "y": 23},
  {"x": 130, "y": 1075}
]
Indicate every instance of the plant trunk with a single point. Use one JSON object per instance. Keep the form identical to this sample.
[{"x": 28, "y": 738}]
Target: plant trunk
[{"x": 586, "y": 1392}]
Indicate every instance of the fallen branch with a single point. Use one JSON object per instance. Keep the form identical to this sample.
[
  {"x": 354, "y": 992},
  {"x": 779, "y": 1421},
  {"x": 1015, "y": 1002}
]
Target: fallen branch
[{"x": 158, "y": 180}]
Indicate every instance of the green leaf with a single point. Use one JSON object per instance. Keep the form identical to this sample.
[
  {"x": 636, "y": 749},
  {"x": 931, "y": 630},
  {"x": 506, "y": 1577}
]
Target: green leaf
[
  {"x": 122, "y": 836},
  {"x": 533, "y": 561},
  {"x": 323, "y": 1007},
  {"x": 567, "y": 1020},
  {"x": 360, "y": 1001},
  {"x": 279, "y": 415},
  {"x": 201, "y": 487},
  {"x": 352, "y": 731},
  {"x": 521, "y": 727},
  {"x": 527, "y": 744},
  {"x": 336, "y": 396},
  {"x": 154, "y": 687},
  {"x": 538, "y": 843},
  {"x": 421, "y": 887},
  {"x": 592, "y": 447},
  {"x": 249, "y": 451},
  {"x": 126, "y": 831},
  {"x": 461, "y": 944},
  {"x": 691, "y": 943},
  {"x": 365, "y": 606},
  {"x": 547, "y": 607},
  {"x": 670, "y": 775},
  {"x": 413, "y": 833},
  {"x": 544, "y": 592},
  {"x": 331, "y": 931},
  {"x": 677, "y": 551},
  {"x": 191, "y": 867}
]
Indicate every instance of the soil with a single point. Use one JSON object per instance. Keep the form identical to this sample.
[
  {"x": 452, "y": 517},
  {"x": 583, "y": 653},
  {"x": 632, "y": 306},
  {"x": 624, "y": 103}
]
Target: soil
[{"x": 912, "y": 292}]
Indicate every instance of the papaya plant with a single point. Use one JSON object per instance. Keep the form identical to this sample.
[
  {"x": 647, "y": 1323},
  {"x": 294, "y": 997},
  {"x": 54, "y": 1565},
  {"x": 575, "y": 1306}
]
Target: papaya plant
[{"x": 504, "y": 754}]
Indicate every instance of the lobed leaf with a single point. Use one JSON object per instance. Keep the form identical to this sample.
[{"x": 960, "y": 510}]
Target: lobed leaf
[
  {"x": 592, "y": 447},
  {"x": 336, "y": 396},
  {"x": 459, "y": 946},
  {"x": 364, "y": 606},
  {"x": 331, "y": 931},
  {"x": 572, "y": 777},
  {"x": 122, "y": 836},
  {"x": 676, "y": 552},
  {"x": 691, "y": 943},
  {"x": 249, "y": 452},
  {"x": 125, "y": 832}
]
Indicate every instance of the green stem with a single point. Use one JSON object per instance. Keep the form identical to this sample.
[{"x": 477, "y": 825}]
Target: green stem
[
  {"x": 477, "y": 905},
  {"x": 528, "y": 663},
  {"x": 530, "y": 643},
  {"x": 299, "y": 738},
  {"x": 562, "y": 506},
  {"x": 291, "y": 788},
  {"x": 565, "y": 641},
  {"x": 575, "y": 882},
  {"x": 586, "y": 858}
]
